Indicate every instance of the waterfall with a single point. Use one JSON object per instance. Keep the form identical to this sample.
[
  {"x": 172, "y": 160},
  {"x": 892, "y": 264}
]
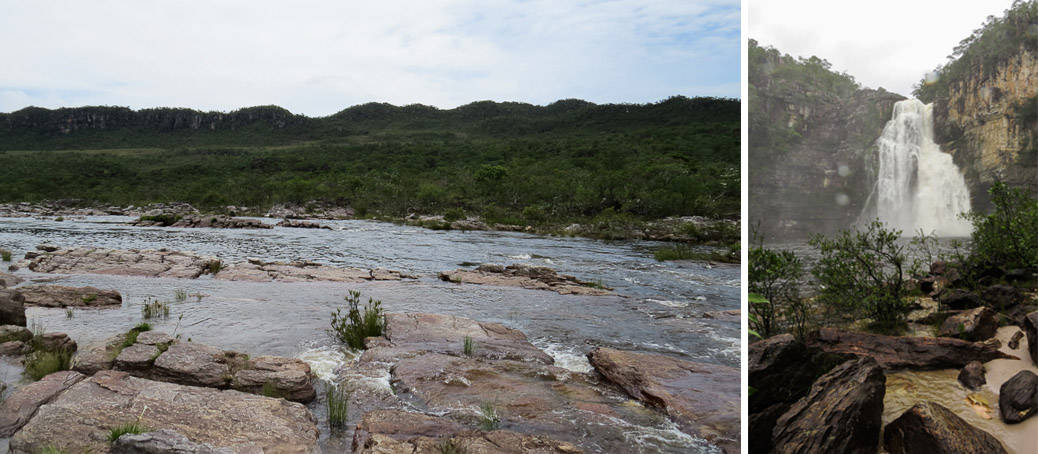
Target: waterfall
[{"x": 918, "y": 186}]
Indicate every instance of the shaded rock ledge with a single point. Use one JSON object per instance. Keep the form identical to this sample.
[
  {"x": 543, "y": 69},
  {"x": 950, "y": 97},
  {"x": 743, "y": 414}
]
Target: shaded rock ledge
[{"x": 895, "y": 352}]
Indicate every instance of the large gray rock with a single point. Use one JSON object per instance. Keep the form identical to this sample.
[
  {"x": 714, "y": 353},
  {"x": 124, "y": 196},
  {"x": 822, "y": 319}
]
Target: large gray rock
[
  {"x": 525, "y": 276},
  {"x": 133, "y": 262},
  {"x": 288, "y": 378},
  {"x": 906, "y": 352},
  {"x": 255, "y": 270},
  {"x": 842, "y": 412},
  {"x": 20, "y": 406},
  {"x": 190, "y": 363},
  {"x": 79, "y": 419},
  {"x": 930, "y": 428},
  {"x": 62, "y": 296},
  {"x": 702, "y": 398},
  {"x": 12, "y": 308},
  {"x": 163, "y": 441},
  {"x": 976, "y": 324}
]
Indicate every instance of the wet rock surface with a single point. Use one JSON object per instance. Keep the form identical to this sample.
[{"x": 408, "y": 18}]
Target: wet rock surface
[
  {"x": 9, "y": 280},
  {"x": 422, "y": 356},
  {"x": 62, "y": 296},
  {"x": 972, "y": 376},
  {"x": 841, "y": 413},
  {"x": 976, "y": 324},
  {"x": 782, "y": 370},
  {"x": 518, "y": 275},
  {"x": 1030, "y": 328},
  {"x": 1018, "y": 397},
  {"x": 929, "y": 427},
  {"x": 391, "y": 431},
  {"x": 208, "y": 221},
  {"x": 12, "y": 308},
  {"x": 132, "y": 262},
  {"x": 163, "y": 442},
  {"x": 299, "y": 224},
  {"x": 702, "y": 398},
  {"x": 896, "y": 352},
  {"x": 80, "y": 418},
  {"x": 256, "y": 270},
  {"x": 19, "y": 407}
]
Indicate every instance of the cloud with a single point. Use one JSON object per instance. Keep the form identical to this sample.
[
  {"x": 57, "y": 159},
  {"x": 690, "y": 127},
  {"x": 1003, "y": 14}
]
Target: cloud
[
  {"x": 882, "y": 43},
  {"x": 319, "y": 57}
]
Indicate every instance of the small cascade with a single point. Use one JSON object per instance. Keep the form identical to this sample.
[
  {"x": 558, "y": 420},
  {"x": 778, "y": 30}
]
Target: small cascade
[{"x": 918, "y": 186}]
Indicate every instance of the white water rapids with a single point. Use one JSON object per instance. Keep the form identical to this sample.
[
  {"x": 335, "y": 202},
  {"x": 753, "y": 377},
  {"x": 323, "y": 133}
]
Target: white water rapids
[{"x": 918, "y": 185}]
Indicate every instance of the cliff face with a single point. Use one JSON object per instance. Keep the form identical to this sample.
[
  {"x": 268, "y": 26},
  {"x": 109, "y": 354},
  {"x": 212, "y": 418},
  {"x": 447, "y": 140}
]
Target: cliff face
[
  {"x": 812, "y": 145},
  {"x": 987, "y": 122}
]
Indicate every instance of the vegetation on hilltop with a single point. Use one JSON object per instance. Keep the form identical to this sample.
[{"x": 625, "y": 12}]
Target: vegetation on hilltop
[{"x": 570, "y": 161}]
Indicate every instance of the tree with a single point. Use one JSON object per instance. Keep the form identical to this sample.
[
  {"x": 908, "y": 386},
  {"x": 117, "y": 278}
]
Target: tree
[
  {"x": 775, "y": 276},
  {"x": 1008, "y": 236}
]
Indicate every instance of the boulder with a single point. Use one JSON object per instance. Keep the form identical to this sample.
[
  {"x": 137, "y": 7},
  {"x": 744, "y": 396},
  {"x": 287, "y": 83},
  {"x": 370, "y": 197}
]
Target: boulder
[
  {"x": 9, "y": 280},
  {"x": 189, "y": 363},
  {"x": 55, "y": 342},
  {"x": 841, "y": 413},
  {"x": 976, "y": 324},
  {"x": 14, "y": 333},
  {"x": 136, "y": 358},
  {"x": 394, "y": 431},
  {"x": 98, "y": 357},
  {"x": 524, "y": 276},
  {"x": 62, "y": 296},
  {"x": 46, "y": 247},
  {"x": 163, "y": 441},
  {"x": 1018, "y": 397},
  {"x": 931, "y": 428},
  {"x": 12, "y": 308},
  {"x": 972, "y": 376},
  {"x": 20, "y": 406},
  {"x": 201, "y": 221},
  {"x": 1030, "y": 328},
  {"x": 14, "y": 348},
  {"x": 296, "y": 224},
  {"x": 288, "y": 378},
  {"x": 436, "y": 333},
  {"x": 895, "y": 352},
  {"x": 782, "y": 371},
  {"x": 80, "y": 418},
  {"x": 960, "y": 299},
  {"x": 132, "y": 262},
  {"x": 1002, "y": 297},
  {"x": 704, "y": 399}
]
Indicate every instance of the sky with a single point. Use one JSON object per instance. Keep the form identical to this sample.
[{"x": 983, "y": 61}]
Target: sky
[
  {"x": 882, "y": 43},
  {"x": 317, "y": 58}
]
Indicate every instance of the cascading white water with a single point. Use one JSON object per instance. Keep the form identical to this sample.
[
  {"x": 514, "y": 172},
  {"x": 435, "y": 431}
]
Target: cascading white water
[{"x": 918, "y": 186}]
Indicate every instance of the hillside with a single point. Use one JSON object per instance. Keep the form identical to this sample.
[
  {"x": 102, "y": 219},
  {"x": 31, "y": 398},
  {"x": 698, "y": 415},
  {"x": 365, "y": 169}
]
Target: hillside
[{"x": 570, "y": 161}]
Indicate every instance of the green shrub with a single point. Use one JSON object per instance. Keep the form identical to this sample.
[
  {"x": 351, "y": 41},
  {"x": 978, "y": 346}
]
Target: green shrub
[
  {"x": 131, "y": 336},
  {"x": 775, "y": 275},
  {"x": 129, "y": 428},
  {"x": 448, "y": 446},
  {"x": 338, "y": 406},
  {"x": 862, "y": 274},
  {"x": 686, "y": 252},
  {"x": 68, "y": 313},
  {"x": 1008, "y": 236},
  {"x": 454, "y": 214},
  {"x": 41, "y": 363},
  {"x": 213, "y": 267},
  {"x": 271, "y": 390},
  {"x": 356, "y": 325},
  {"x": 5, "y": 255}
]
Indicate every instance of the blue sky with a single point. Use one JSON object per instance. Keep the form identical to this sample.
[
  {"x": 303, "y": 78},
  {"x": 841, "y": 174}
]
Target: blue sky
[{"x": 317, "y": 58}]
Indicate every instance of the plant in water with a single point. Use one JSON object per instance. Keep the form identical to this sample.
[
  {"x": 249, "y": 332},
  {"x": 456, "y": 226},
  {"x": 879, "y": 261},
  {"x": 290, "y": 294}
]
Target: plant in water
[
  {"x": 68, "y": 313},
  {"x": 5, "y": 255},
  {"x": 41, "y": 363},
  {"x": 154, "y": 308},
  {"x": 180, "y": 295},
  {"x": 338, "y": 401},
  {"x": 468, "y": 347},
  {"x": 488, "y": 418},
  {"x": 213, "y": 267},
  {"x": 357, "y": 324}
]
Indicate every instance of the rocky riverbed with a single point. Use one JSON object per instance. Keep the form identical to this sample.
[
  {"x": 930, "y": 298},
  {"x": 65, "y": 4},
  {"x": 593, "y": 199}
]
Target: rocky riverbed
[{"x": 253, "y": 325}]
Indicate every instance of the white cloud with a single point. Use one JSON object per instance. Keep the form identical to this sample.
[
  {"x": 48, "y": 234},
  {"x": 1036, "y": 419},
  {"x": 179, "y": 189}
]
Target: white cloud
[
  {"x": 319, "y": 57},
  {"x": 882, "y": 43}
]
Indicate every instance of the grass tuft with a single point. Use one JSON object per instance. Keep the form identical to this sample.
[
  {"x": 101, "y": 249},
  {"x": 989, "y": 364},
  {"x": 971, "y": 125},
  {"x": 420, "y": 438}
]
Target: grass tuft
[
  {"x": 448, "y": 446},
  {"x": 271, "y": 390},
  {"x": 469, "y": 346},
  {"x": 42, "y": 363},
  {"x": 5, "y": 255},
  {"x": 356, "y": 325},
  {"x": 338, "y": 406},
  {"x": 68, "y": 313},
  {"x": 488, "y": 418},
  {"x": 129, "y": 428},
  {"x": 51, "y": 449},
  {"x": 154, "y": 308}
]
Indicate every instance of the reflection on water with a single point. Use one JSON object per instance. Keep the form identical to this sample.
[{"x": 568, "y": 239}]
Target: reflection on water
[
  {"x": 979, "y": 408},
  {"x": 657, "y": 308}
]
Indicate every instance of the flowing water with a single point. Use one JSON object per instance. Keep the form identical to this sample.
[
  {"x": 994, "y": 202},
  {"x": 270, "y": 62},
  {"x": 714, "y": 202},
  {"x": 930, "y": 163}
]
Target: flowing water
[
  {"x": 658, "y": 306},
  {"x": 917, "y": 186}
]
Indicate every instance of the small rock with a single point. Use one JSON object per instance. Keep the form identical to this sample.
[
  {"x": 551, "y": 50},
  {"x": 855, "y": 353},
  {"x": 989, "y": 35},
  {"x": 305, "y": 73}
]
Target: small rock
[
  {"x": 1030, "y": 327},
  {"x": 972, "y": 376},
  {"x": 12, "y": 308},
  {"x": 9, "y": 280},
  {"x": 14, "y": 348},
  {"x": 1002, "y": 297},
  {"x": 1014, "y": 342},
  {"x": 47, "y": 247}
]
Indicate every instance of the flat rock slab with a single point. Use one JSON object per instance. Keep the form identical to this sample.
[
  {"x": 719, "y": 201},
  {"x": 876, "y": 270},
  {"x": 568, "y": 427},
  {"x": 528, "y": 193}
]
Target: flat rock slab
[
  {"x": 393, "y": 431},
  {"x": 297, "y": 224},
  {"x": 288, "y": 378},
  {"x": 419, "y": 332},
  {"x": 205, "y": 221},
  {"x": 20, "y": 406},
  {"x": 132, "y": 262},
  {"x": 80, "y": 418},
  {"x": 702, "y": 398},
  {"x": 62, "y": 296},
  {"x": 894, "y": 352},
  {"x": 190, "y": 363},
  {"x": 528, "y": 277},
  {"x": 255, "y": 270}
]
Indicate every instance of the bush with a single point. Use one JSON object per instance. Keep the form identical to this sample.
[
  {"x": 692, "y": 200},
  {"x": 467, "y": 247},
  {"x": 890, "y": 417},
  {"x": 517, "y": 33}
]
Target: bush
[
  {"x": 42, "y": 363},
  {"x": 686, "y": 252},
  {"x": 1007, "y": 237},
  {"x": 454, "y": 214},
  {"x": 862, "y": 274},
  {"x": 356, "y": 325},
  {"x": 775, "y": 275}
]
